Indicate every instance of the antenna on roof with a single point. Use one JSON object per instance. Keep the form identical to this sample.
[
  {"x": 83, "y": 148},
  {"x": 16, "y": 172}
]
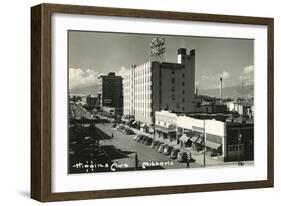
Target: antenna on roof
[
  {"x": 242, "y": 88},
  {"x": 221, "y": 88}
]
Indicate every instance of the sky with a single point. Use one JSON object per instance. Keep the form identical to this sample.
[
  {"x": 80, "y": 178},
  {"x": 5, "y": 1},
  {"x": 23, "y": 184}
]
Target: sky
[{"x": 94, "y": 53}]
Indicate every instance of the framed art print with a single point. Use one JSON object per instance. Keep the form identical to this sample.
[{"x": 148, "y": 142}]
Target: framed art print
[{"x": 130, "y": 102}]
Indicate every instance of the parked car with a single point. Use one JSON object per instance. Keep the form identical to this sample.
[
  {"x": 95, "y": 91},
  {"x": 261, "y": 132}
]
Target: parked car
[
  {"x": 87, "y": 140},
  {"x": 167, "y": 150},
  {"x": 71, "y": 152},
  {"x": 148, "y": 141},
  {"x": 120, "y": 128},
  {"x": 127, "y": 131},
  {"x": 144, "y": 139},
  {"x": 124, "y": 130},
  {"x": 114, "y": 125},
  {"x": 158, "y": 145},
  {"x": 161, "y": 148},
  {"x": 141, "y": 138},
  {"x": 174, "y": 153},
  {"x": 182, "y": 157},
  {"x": 97, "y": 117},
  {"x": 154, "y": 143},
  {"x": 137, "y": 137}
]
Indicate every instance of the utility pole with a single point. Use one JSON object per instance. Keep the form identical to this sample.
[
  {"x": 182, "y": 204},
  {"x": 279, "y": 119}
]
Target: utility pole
[
  {"x": 204, "y": 146},
  {"x": 154, "y": 130},
  {"x": 239, "y": 144}
]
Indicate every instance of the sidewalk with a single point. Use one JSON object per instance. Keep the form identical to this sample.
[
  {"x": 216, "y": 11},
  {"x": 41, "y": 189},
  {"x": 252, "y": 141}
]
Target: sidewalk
[{"x": 197, "y": 156}]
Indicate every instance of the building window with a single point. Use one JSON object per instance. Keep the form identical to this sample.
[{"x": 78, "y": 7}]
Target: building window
[
  {"x": 173, "y": 80},
  {"x": 173, "y": 97},
  {"x": 183, "y": 84},
  {"x": 173, "y": 71},
  {"x": 182, "y": 91},
  {"x": 173, "y": 88},
  {"x": 183, "y": 75},
  {"x": 182, "y": 100},
  {"x": 178, "y": 105},
  {"x": 183, "y": 109},
  {"x": 207, "y": 110}
]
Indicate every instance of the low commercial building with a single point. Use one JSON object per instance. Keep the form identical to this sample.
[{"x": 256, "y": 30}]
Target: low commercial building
[
  {"x": 89, "y": 101},
  {"x": 165, "y": 125},
  {"x": 241, "y": 108},
  {"x": 209, "y": 107},
  {"x": 228, "y": 141}
]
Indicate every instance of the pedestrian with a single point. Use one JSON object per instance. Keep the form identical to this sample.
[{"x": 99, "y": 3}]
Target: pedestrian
[
  {"x": 188, "y": 159},
  {"x": 136, "y": 161},
  {"x": 187, "y": 164}
]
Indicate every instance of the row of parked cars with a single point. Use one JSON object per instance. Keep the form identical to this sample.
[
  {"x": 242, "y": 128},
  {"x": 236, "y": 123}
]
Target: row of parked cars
[
  {"x": 161, "y": 147},
  {"x": 122, "y": 128}
]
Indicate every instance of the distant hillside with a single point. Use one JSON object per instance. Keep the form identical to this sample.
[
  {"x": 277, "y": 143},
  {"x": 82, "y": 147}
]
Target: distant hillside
[
  {"x": 229, "y": 92},
  {"x": 93, "y": 90}
]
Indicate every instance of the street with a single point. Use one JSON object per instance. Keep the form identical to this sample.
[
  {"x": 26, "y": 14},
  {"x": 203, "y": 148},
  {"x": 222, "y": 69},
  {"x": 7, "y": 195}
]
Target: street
[
  {"x": 77, "y": 111},
  {"x": 123, "y": 149}
]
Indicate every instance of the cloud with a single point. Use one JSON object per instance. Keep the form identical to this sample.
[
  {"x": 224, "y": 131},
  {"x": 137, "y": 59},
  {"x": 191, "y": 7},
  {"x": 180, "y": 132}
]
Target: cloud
[
  {"x": 212, "y": 81},
  {"x": 224, "y": 75},
  {"x": 79, "y": 78},
  {"x": 82, "y": 78},
  {"x": 247, "y": 75},
  {"x": 249, "y": 69},
  {"x": 122, "y": 72}
]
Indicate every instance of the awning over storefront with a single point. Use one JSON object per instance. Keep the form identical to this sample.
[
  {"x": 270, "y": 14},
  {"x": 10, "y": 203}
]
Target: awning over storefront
[
  {"x": 200, "y": 140},
  {"x": 212, "y": 145},
  {"x": 194, "y": 138},
  {"x": 184, "y": 138},
  {"x": 143, "y": 125}
]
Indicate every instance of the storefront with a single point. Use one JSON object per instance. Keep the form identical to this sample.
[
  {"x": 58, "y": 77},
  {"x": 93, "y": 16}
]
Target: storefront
[
  {"x": 197, "y": 141},
  {"x": 218, "y": 137},
  {"x": 213, "y": 149},
  {"x": 183, "y": 141},
  {"x": 165, "y": 125},
  {"x": 143, "y": 127},
  {"x": 166, "y": 133}
]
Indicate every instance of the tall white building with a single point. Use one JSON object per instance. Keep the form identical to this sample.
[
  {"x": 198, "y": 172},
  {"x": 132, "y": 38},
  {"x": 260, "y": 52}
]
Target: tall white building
[{"x": 155, "y": 86}]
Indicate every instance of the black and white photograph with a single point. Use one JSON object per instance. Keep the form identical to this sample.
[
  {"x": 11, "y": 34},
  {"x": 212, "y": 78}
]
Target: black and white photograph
[{"x": 140, "y": 102}]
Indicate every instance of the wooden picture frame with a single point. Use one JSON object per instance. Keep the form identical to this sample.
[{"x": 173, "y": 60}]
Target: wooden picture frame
[{"x": 41, "y": 97}]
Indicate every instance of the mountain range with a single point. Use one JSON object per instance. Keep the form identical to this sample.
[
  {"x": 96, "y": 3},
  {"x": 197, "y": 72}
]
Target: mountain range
[
  {"x": 86, "y": 90},
  {"x": 229, "y": 92}
]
